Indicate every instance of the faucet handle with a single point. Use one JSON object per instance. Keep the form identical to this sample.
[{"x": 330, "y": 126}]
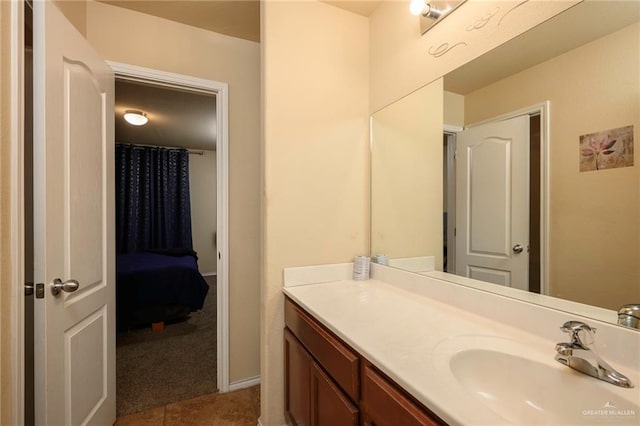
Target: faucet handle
[
  {"x": 575, "y": 326},
  {"x": 580, "y": 332},
  {"x": 565, "y": 349}
]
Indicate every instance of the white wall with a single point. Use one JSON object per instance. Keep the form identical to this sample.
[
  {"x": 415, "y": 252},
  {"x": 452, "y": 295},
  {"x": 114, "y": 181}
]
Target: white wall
[{"x": 202, "y": 185}]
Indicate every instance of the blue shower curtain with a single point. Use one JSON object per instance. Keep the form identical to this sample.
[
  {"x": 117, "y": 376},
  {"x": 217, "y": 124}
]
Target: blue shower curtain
[{"x": 153, "y": 207}]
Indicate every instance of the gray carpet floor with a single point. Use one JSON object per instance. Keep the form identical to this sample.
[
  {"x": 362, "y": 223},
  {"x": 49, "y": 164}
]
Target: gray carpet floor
[{"x": 161, "y": 367}]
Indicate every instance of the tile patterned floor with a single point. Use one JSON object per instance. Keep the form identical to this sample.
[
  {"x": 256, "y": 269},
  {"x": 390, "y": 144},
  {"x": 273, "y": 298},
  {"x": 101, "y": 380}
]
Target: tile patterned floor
[{"x": 241, "y": 408}]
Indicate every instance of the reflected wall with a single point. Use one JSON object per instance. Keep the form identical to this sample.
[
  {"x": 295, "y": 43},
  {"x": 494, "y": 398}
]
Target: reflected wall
[
  {"x": 592, "y": 223},
  {"x": 594, "y": 238},
  {"x": 406, "y": 166}
]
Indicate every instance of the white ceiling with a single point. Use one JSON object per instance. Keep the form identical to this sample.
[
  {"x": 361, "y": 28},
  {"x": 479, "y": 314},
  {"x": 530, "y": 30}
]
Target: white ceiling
[{"x": 177, "y": 118}]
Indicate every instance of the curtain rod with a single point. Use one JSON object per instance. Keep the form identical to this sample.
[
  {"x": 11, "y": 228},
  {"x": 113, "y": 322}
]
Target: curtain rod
[{"x": 189, "y": 151}]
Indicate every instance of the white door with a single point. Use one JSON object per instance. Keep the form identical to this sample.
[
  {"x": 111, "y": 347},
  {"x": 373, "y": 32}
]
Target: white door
[
  {"x": 74, "y": 226},
  {"x": 492, "y": 201}
]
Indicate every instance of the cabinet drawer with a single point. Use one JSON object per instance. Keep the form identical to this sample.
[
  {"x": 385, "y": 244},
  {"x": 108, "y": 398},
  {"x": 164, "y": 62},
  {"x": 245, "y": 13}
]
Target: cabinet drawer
[
  {"x": 386, "y": 405},
  {"x": 335, "y": 357}
]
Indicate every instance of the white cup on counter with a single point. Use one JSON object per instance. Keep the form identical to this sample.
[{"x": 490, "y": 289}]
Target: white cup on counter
[{"x": 361, "y": 268}]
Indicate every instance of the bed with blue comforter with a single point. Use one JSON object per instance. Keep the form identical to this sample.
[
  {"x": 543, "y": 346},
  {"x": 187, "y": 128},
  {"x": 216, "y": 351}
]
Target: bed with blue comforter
[{"x": 157, "y": 286}]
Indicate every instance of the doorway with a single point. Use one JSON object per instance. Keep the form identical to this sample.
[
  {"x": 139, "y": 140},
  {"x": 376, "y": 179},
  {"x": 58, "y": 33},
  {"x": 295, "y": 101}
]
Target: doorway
[
  {"x": 213, "y": 264},
  {"x": 22, "y": 389},
  {"x": 537, "y": 199}
]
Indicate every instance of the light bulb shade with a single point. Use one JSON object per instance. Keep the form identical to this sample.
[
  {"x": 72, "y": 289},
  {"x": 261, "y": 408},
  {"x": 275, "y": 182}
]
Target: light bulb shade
[
  {"x": 416, "y": 7},
  {"x": 136, "y": 118}
]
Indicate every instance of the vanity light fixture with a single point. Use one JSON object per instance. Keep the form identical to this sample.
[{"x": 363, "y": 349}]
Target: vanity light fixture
[
  {"x": 420, "y": 7},
  {"x": 432, "y": 12},
  {"x": 136, "y": 118}
]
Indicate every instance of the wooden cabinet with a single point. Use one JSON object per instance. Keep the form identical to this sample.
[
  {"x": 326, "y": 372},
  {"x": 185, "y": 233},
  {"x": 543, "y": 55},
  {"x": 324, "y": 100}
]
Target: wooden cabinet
[
  {"x": 297, "y": 381},
  {"x": 329, "y": 405},
  {"x": 340, "y": 361},
  {"x": 386, "y": 404},
  {"x": 328, "y": 383},
  {"x": 311, "y": 397}
]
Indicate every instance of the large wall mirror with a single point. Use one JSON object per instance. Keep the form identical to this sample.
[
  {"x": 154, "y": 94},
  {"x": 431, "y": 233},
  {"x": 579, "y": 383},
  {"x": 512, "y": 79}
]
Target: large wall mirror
[{"x": 519, "y": 168}]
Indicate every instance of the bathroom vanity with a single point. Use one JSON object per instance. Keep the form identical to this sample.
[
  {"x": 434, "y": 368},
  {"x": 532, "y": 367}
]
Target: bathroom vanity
[
  {"x": 327, "y": 382},
  {"x": 404, "y": 348}
]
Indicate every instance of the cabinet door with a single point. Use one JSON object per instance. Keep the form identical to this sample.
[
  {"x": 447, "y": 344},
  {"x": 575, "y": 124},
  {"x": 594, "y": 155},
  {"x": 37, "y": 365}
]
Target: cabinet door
[
  {"x": 384, "y": 404},
  {"x": 297, "y": 379},
  {"x": 337, "y": 359},
  {"x": 329, "y": 405}
]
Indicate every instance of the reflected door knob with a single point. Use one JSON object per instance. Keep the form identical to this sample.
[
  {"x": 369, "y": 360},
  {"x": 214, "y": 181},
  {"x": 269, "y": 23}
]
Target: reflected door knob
[
  {"x": 68, "y": 286},
  {"x": 518, "y": 248}
]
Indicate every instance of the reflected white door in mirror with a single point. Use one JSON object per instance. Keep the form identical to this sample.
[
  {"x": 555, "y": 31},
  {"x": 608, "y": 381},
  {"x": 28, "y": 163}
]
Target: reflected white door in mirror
[
  {"x": 492, "y": 203},
  {"x": 587, "y": 244}
]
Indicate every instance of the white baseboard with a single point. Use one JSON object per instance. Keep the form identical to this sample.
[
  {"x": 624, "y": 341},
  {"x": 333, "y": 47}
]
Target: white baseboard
[
  {"x": 241, "y": 384},
  {"x": 209, "y": 274},
  {"x": 260, "y": 422}
]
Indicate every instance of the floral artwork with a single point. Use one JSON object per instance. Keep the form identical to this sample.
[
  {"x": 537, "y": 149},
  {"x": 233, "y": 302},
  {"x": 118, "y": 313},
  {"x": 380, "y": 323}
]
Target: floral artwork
[{"x": 608, "y": 149}]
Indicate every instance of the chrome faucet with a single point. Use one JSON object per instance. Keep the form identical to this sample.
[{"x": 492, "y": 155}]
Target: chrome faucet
[
  {"x": 629, "y": 316},
  {"x": 580, "y": 355}
]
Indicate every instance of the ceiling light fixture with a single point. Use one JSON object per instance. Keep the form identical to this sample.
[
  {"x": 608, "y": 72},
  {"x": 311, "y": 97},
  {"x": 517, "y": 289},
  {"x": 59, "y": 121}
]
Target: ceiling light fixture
[{"x": 136, "y": 118}]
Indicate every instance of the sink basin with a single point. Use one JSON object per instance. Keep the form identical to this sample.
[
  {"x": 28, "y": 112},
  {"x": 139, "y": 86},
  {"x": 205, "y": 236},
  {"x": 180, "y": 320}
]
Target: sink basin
[
  {"x": 525, "y": 387},
  {"x": 519, "y": 388}
]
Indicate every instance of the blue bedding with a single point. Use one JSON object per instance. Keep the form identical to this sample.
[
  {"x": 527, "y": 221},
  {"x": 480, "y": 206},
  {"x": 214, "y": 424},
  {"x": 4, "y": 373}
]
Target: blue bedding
[{"x": 148, "y": 279}]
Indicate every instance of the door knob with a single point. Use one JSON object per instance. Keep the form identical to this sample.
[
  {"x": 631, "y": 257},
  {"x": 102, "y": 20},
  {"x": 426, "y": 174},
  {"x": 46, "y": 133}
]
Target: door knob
[
  {"x": 68, "y": 286},
  {"x": 518, "y": 248}
]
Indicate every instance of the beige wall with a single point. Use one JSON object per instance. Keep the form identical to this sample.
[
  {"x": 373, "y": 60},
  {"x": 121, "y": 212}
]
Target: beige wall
[
  {"x": 202, "y": 182},
  {"x": 595, "y": 229},
  {"x": 5, "y": 191},
  {"x": 400, "y": 59},
  {"x": 406, "y": 158},
  {"x": 5, "y": 279},
  {"x": 315, "y": 157},
  {"x": 319, "y": 82},
  {"x": 315, "y": 60},
  {"x": 76, "y": 12},
  {"x": 453, "y": 109},
  {"x": 134, "y": 38}
]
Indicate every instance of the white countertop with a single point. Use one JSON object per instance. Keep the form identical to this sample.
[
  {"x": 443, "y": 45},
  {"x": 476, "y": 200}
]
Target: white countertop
[{"x": 406, "y": 334}]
